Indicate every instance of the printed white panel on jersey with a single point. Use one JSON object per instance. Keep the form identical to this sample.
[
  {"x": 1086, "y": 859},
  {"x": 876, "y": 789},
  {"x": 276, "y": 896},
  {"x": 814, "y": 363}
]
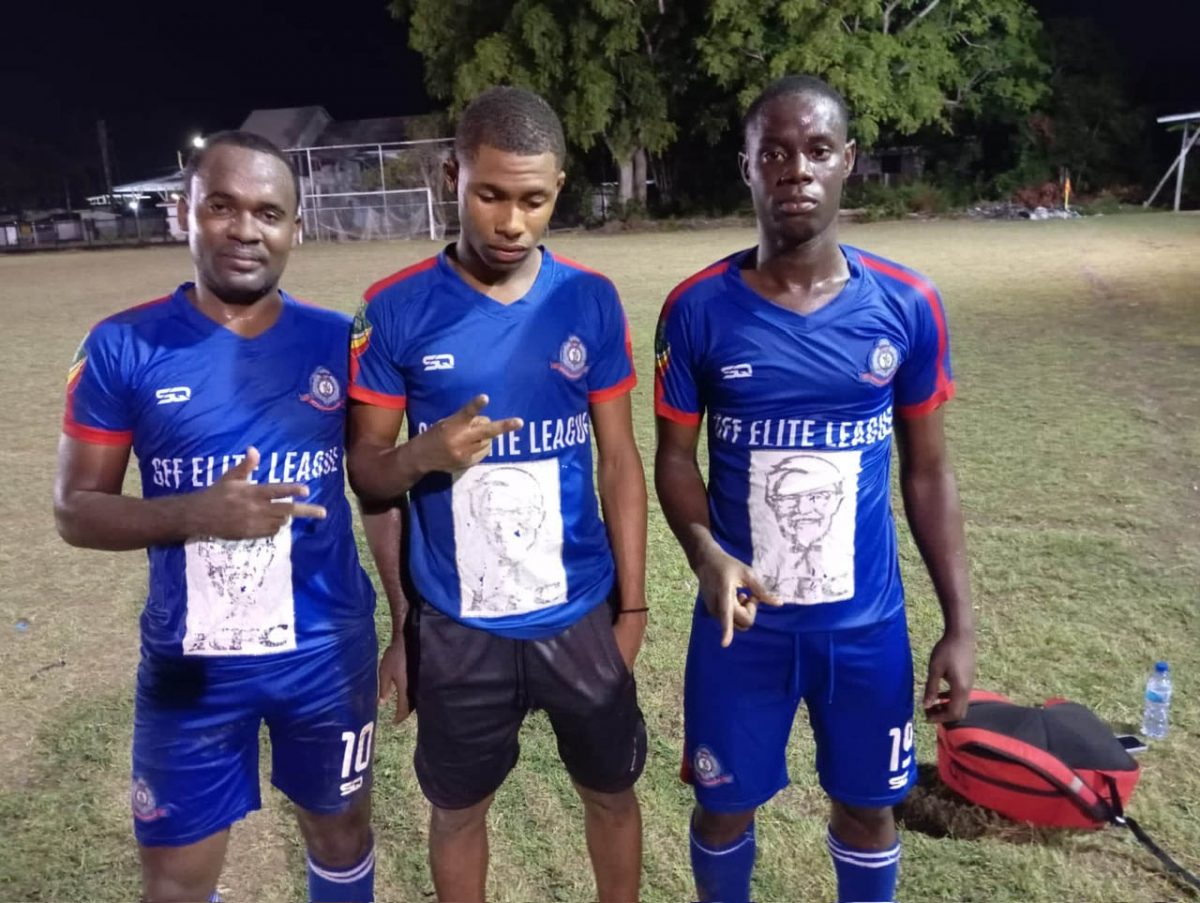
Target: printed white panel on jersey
[
  {"x": 508, "y": 534},
  {"x": 803, "y": 508},
  {"x": 239, "y": 595}
]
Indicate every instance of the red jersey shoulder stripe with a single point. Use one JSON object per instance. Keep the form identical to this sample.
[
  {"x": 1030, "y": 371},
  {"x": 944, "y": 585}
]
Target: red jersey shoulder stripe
[
  {"x": 944, "y": 388},
  {"x": 576, "y": 265},
  {"x": 406, "y": 273},
  {"x": 145, "y": 305},
  {"x": 707, "y": 273}
]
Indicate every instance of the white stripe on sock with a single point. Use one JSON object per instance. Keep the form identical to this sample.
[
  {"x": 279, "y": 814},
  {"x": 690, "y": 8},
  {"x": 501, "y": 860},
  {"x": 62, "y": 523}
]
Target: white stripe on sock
[
  {"x": 865, "y": 858},
  {"x": 348, "y": 876},
  {"x": 834, "y": 843},
  {"x": 711, "y": 852},
  {"x": 864, "y": 863}
]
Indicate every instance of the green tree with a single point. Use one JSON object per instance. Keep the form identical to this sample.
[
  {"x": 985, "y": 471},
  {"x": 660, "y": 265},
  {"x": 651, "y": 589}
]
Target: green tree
[
  {"x": 610, "y": 67},
  {"x": 1087, "y": 124},
  {"x": 901, "y": 64}
]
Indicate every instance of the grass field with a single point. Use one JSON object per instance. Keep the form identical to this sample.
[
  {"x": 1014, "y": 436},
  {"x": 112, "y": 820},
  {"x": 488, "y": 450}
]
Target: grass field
[{"x": 1077, "y": 351}]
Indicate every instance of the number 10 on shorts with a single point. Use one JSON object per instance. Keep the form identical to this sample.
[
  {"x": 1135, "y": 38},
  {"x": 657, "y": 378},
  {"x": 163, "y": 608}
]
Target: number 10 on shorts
[
  {"x": 902, "y": 740},
  {"x": 357, "y": 757}
]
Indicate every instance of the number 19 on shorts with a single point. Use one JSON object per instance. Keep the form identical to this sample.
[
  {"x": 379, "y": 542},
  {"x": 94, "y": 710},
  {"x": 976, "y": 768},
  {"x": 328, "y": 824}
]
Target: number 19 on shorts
[
  {"x": 902, "y": 744},
  {"x": 357, "y": 757}
]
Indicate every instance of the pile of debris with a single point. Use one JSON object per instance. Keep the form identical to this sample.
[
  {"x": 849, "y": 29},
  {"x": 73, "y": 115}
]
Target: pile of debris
[{"x": 1013, "y": 210}]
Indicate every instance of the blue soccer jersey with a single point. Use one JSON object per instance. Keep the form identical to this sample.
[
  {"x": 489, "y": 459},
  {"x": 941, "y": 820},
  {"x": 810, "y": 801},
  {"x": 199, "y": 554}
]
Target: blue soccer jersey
[
  {"x": 190, "y": 396},
  {"x": 514, "y": 545},
  {"x": 800, "y": 414}
]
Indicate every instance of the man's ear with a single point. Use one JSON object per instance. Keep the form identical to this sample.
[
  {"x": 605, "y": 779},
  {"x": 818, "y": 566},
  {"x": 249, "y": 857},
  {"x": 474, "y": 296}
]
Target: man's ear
[
  {"x": 181, "y": 211},
  {"x": 848, "y": 156}
]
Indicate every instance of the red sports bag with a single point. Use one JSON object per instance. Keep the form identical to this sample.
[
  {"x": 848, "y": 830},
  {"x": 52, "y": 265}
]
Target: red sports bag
[{"x": 1056, "y": 765}]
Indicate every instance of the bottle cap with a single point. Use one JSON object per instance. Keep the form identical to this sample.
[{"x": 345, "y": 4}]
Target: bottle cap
[{"x": 1161, "y": 667}]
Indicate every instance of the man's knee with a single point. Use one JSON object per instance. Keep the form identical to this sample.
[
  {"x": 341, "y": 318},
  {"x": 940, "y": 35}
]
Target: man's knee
[
  {"x": 182, "y": 874},
  {"x": 450, "y": 822},
  {"x": 609, "y": 806},
  {"x": 866, "y": 827},
  {"x": 338, "y": 840},
  {"x": 719, "y": 829},
  {"x": 168, "y": 889}
]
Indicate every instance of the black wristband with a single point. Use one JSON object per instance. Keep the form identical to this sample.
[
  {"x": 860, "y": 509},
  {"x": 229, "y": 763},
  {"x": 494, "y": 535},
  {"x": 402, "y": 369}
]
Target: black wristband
[{"x": 631, "y": 611}]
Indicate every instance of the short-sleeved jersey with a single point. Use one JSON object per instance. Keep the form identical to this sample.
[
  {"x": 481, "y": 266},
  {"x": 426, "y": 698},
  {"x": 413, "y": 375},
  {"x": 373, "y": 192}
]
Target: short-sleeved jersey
[
  {"x": 800, "y": 414},
  {"x": 190, "y": 396},
  {"x": 514, "y": 545}
]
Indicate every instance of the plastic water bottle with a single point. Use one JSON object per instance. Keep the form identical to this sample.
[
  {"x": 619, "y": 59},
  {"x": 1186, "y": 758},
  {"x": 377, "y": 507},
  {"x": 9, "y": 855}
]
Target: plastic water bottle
[{"x": 1158, "y": 702}]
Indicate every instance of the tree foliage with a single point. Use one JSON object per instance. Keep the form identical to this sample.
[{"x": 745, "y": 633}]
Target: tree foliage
[
  {"x": 635, "y": 75},
  {"x": 608, "y": 66},
  {"x": 901, "y": 64}
]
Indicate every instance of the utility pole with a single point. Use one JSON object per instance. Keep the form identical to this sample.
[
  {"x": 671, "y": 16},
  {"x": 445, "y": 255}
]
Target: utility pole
[{"x": 102, "y": 134}]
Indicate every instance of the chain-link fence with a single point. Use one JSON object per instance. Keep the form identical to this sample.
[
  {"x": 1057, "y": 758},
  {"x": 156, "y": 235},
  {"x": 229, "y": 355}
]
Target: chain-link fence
[
  {"x": 86, "y": 230},
  {"x": 363, "y": 191}
]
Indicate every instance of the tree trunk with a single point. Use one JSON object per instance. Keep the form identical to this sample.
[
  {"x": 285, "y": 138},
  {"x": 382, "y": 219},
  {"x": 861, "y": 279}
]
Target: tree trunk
[
  {"x": 625, "y": 183},
  {"x": 639, "y": 176}
]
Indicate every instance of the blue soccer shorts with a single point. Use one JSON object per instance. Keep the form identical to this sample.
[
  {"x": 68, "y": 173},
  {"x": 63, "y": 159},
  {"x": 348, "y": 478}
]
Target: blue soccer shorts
[
  {"x": 740, "y": 702},
  {"x": 196, "y": 736}
]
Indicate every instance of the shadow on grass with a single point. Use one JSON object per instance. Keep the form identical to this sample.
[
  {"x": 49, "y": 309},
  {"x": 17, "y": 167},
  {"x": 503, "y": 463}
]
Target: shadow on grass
[{"x": 935, "y": 810}]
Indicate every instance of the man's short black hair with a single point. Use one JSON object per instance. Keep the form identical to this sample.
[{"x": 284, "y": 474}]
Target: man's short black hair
[
  {"x": 513, "y": 120},
  {"x": 790, "y": 86},
  {"x": 234, "y": 138}
]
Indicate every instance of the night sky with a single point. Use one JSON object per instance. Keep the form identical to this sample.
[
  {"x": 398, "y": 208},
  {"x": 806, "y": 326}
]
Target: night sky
[{"x": 160, "y": 72}]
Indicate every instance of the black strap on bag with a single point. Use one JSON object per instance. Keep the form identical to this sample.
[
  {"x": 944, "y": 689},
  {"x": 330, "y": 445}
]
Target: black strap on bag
[{"x": 1118, "y": 817}]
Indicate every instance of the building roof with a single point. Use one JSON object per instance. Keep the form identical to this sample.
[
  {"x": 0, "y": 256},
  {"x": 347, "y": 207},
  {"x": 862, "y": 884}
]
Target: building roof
[
  {"x": 385, "y": 130},
  {"x": 289, "y": 126}
]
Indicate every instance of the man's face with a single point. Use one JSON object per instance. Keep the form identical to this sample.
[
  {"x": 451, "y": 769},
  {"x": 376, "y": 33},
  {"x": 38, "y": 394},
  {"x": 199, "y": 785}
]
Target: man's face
[
  {"x": 241, "y": 214},
  {"x": 796, "y": 160},
  {"x": 240, "y": 567},
  {"x": 510, "y": 508},
  {"x": 505, "y": 201},
  {"x": 805, "y": 511}
]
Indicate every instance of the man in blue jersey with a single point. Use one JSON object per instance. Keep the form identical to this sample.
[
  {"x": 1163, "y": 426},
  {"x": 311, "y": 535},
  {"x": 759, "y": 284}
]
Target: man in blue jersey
[
  {"x": 529, "y": 599},
  {"x": 806, "y": 355},
  {"x": 233, "y": 397}
]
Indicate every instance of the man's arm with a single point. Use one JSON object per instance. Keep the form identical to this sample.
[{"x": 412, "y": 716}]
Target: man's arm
[
  {"x": 730, "y": 589},
  {"x": 381, "y": 470},
  {"x": 935, "y": 517},
  {"x": 382, "y": 526},
  {"x": 90, "y": 511},
  {"x": 621, "y": 482}
]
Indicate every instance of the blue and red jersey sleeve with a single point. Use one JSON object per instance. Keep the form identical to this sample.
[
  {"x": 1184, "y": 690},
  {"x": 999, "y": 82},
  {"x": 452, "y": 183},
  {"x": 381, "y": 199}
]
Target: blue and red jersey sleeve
[
  {"x": 612, "y": 374},
  {"x": 375, "y": 375},
  {"x": 675, "y": 393},
  {"x": 98, "y": 408},
  {"x": 924, "y": 381}
]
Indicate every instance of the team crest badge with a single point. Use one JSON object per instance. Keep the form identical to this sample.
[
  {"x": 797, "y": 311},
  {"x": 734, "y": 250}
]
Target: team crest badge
[
  {"x": 141, "y": 798},
  {"x": 324, "y": 391},
  {"x": 662, "y": 348},
  {"x": 572, "y": 358},
  {"x": 706, "y": 769},
  {"x": 77, "y": 364},
  {"x": 360, "y": 332},
  {"x": 882, "y": 363}
]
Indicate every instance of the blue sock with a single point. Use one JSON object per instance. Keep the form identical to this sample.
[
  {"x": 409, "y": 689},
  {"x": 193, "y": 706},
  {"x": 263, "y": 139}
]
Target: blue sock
[
  {"x": 864, "y": 876},
  {"x": 723, "y": 874},
  {"x": 352, "y": 885},
  {"x": 215, "y": 897}
]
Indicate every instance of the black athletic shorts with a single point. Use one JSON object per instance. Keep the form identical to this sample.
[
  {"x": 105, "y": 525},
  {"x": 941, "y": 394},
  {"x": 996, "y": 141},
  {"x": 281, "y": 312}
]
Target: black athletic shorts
[{"x": 473, "y": 689}]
